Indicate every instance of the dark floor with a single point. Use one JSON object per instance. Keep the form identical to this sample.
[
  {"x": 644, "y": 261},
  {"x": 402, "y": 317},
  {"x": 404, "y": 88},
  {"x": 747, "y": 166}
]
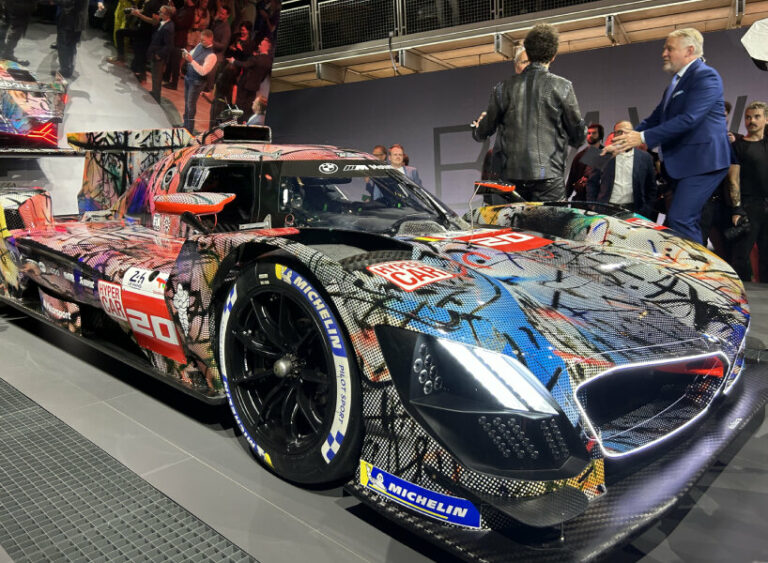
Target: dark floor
[{"x": 191, "y": 453}]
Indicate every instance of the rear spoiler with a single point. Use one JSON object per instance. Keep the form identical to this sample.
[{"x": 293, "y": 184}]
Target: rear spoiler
[
  {"x": 114, "y": 159},
  {"x": 147, "y": 140},
  {"x": 36, "y": 153}
]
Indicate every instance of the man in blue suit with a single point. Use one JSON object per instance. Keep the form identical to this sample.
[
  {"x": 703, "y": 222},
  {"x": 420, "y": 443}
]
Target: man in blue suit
[
  {"x": 689, "y": 126},
  {"x": 629, "y": 180}
]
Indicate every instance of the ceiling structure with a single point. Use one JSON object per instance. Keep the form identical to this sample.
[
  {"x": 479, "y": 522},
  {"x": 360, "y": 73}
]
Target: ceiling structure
[{"x": 586, "y": 26}]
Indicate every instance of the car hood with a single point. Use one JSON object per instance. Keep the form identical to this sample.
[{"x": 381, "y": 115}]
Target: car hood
[{"x": 560, "y": 305}]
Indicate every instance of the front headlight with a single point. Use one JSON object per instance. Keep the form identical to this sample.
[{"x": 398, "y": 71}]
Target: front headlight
[{"x": 486, "y": 408}]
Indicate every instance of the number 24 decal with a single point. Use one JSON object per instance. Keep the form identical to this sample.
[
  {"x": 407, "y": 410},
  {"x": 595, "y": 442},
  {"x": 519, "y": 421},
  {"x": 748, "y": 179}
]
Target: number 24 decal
[{"x": 152, "y": 326}]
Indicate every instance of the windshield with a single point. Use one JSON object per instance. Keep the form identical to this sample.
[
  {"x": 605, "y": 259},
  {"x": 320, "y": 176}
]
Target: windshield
[{"x": 367, "y": 197}]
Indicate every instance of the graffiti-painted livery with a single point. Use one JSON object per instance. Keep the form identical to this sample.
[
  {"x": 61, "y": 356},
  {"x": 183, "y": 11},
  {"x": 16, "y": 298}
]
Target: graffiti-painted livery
[{"x": 358, "y": 328}]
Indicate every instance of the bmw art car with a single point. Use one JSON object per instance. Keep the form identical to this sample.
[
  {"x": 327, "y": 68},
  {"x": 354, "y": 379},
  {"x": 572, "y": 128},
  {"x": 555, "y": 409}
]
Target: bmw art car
[
  {"x": 463, "y": 376},
  {"x": 30, "y": 111}
]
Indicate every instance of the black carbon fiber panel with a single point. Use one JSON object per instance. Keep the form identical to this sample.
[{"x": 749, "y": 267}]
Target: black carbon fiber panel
[{"x": 634, "y": 499}]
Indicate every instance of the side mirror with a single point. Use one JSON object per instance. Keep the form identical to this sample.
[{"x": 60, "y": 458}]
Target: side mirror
[{"x": 196, "y": 203}]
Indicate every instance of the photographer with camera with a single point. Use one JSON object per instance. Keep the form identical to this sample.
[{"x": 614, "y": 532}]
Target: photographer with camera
[
  {"x": 147, "y": 19},
  {"x": 752, "y": 156}
]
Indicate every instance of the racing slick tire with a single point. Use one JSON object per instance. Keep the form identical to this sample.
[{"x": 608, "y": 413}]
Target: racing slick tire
[{"x": 290, "y": 376}]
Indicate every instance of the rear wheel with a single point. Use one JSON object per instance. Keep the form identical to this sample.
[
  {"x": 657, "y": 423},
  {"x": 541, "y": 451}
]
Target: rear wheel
[{"x": 289, "y": 374}]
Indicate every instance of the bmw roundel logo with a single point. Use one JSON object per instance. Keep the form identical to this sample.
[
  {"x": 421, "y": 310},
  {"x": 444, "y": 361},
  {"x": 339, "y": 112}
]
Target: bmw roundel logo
[{"x": 328, "y": 168}]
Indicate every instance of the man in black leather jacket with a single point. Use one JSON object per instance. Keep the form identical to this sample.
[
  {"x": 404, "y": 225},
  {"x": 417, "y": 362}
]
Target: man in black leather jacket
[{"x": 537, "y": 116}]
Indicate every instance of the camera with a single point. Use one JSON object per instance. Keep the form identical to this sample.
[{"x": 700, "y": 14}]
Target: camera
[
  {"x": 127, "y": 11},
  {"x": 740, "y": 229}
]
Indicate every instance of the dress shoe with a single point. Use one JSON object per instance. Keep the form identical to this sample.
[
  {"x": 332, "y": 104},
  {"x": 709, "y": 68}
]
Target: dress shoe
[
  {"x": 54, "y": 46},
  {"x": 116, "y": 61},
  {"x": 169, "y": 86},
  {"x": 140, "y": 76},
  {"x": 22, "y": 62}
]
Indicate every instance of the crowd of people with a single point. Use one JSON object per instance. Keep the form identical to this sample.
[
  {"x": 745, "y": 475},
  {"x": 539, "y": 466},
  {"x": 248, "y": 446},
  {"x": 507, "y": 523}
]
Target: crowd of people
[
  {"x": 711, "y": 185},
  {"x": 222, "y": 48}
]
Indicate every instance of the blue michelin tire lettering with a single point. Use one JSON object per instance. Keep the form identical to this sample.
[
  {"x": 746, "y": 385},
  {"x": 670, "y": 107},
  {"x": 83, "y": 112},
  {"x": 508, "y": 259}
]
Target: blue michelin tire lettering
[
  {"x": 338, "y": 430},
  {"x": 231, "y": 299}
]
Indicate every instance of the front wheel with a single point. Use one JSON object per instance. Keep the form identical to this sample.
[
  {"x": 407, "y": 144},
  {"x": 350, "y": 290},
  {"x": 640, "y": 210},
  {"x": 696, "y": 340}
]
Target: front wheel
[{"x": 289, "y": 374}]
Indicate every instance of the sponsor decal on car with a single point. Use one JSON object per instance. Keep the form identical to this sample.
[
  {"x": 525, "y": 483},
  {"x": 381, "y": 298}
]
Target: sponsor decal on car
[
  {"x": 436, "y": 505},
  {"x": 505, "y": 240},
  {"x": 409, "y": 274},
  {"x": 111, "y": 296},
  {"x": 642, "y": 222},
  {"x": 338, "y": 430},
  {"x": 143, "y": 299}
]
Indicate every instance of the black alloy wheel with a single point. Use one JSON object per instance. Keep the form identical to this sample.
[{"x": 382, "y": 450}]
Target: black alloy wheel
[{"x": 289, "y": 374}]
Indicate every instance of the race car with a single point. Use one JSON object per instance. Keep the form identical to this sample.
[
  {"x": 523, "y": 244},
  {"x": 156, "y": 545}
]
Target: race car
[
  {"x": 475, "y": 377},
  {"x": 30, "y": 111}
]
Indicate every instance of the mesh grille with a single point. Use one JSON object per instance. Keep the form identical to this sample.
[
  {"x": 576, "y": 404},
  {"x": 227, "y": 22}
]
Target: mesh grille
[
  {"x": 426, "y": 15},
  {"x": 516, "y": 7},
  {"x": 294, "y": 35},
  {"x": 344, "y": 22}
]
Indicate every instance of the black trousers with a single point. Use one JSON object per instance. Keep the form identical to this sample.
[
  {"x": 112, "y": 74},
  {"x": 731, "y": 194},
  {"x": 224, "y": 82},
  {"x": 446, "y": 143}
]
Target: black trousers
[
  {"x": 66, "y": 44},
  {"x": 158, "y": 67},
  {"x": 741, "y": 247},
  {"x": 549, "y": 189}
]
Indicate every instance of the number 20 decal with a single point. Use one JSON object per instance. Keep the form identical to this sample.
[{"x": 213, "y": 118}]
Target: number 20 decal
[{"x": 152, "y": 326}]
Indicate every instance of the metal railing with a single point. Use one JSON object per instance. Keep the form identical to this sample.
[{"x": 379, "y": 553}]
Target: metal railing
[{"x": 327, "y": 24}]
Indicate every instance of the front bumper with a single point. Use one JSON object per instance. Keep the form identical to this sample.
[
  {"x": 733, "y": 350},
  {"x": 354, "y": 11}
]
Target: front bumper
[{"x": 640, "y": 491}]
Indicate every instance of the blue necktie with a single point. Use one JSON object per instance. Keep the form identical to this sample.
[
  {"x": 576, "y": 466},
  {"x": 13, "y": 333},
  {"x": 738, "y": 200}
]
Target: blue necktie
[{"x": 668, "y": 95}]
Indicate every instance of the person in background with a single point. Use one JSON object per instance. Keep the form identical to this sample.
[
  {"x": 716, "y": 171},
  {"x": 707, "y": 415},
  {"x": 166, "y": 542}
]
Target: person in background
[
  {"x": 396, "y": 156},
  {"x": 254, "y": 70},
  {"x": 182, "y": 23},
  {"x": 141, "y": 36},
  {"x": 200, "y": 62},
  {"x": 689, "y": 126},
  {"x": 15, "y": 16},
  {"x": 221, "y": 36},
  {"x": 200, "y": 22},
  {"x": 380, "y": 152},
  {"x": 628, "y": 180},
  {"x": 73, "y": 17},
  {"x": 160, "y": 48},
  {"x": 259, "y": 109},
  {"x": 752, "y": 156},
  {"x": 521, "y": 60},
  {"x": 535, "y": 156},
  {"x": 576, "y": 184},
  {"x": 240, "y": 49}
]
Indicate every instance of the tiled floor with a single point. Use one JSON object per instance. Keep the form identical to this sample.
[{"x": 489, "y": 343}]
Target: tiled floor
[{"x": 191, "y": 452}]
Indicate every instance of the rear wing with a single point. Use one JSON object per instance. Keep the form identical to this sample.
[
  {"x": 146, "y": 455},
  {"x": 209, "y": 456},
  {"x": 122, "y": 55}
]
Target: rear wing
[{"x": 114, "y": 159}]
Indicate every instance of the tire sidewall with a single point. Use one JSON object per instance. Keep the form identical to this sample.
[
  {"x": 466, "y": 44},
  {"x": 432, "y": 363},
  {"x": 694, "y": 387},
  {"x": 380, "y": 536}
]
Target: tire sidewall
[{"x": 335, "y": 456}]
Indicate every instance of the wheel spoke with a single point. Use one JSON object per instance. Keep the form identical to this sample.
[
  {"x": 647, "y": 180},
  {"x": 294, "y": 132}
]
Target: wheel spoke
[
  {"x": 288, "y": 414},
  {"x": 268, "y": 326},
  {"x": 251, "y": 377},
  {"x": 314, "y": 376},
  {"x": 273, "y": 399},
  {"x": 308, "y": 337},
  {"x": 309, "y": 410},
  {"x": 254, "y": 345}
]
